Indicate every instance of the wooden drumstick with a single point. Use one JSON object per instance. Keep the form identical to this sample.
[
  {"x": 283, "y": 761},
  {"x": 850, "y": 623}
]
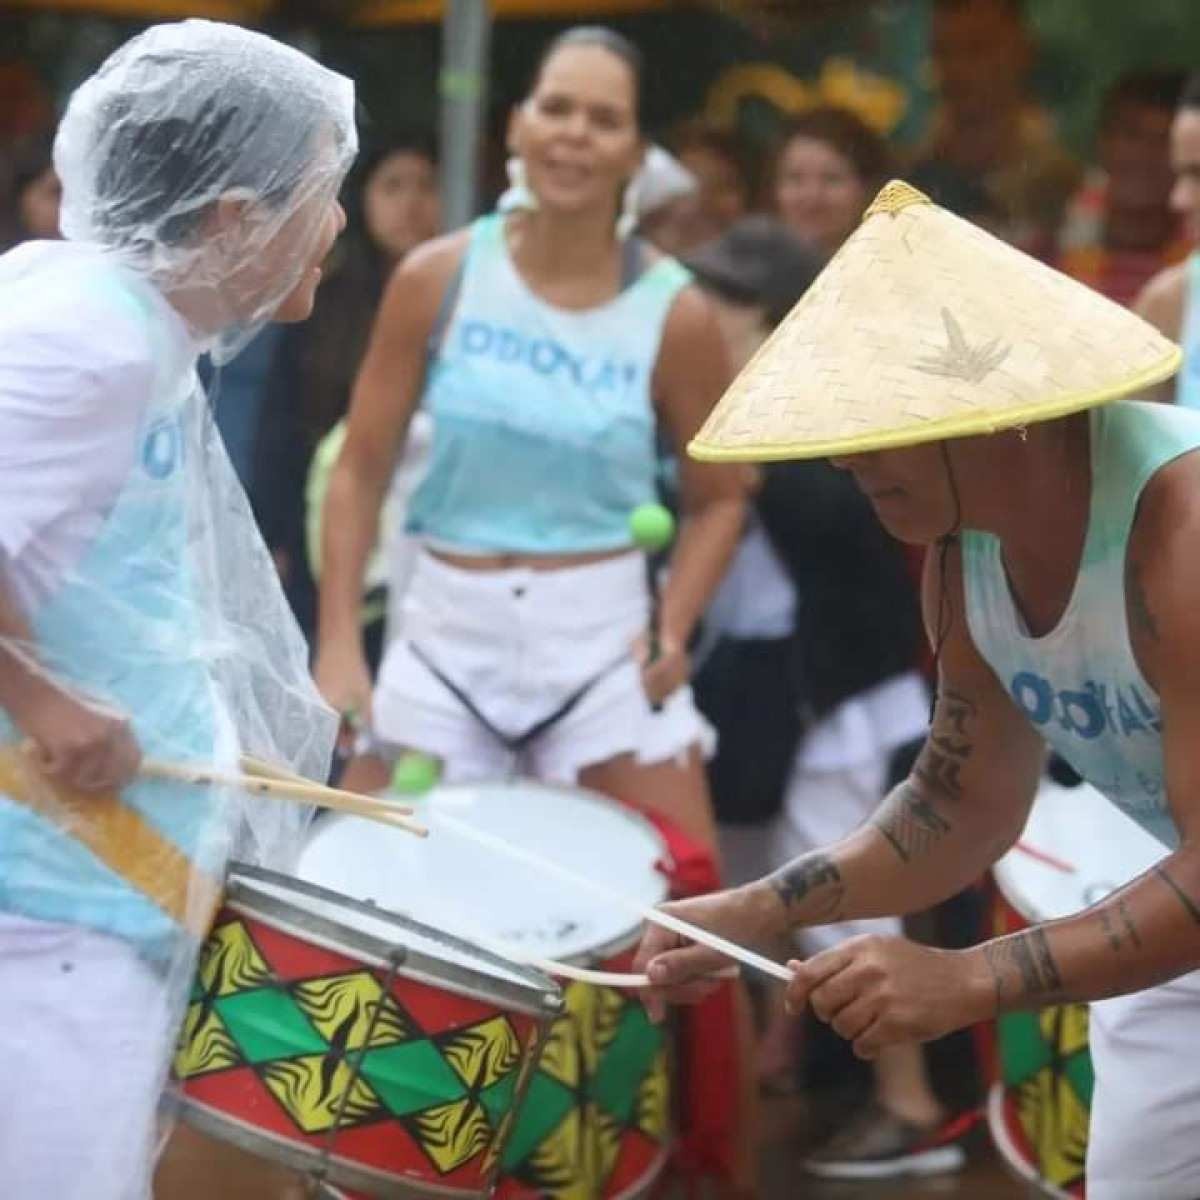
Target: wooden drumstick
[{"x": 303, "y": 792}]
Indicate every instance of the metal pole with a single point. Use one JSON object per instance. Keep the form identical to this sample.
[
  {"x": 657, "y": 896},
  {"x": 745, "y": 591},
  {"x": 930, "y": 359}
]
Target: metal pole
[{"x": 466, "y": 30}]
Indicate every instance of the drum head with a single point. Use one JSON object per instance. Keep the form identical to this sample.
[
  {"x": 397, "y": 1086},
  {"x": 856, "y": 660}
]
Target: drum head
[
  {"x": 450, "y": 881},
  {"x": 1076, "y": 848}
]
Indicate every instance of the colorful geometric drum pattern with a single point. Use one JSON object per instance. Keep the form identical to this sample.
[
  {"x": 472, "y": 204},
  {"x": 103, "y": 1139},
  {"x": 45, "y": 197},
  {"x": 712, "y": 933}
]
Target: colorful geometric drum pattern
[
  {"x": 1048, "y": 1083},
  {"x": 300, "y": 1045},
  {"x": 596, "y": 1120}
]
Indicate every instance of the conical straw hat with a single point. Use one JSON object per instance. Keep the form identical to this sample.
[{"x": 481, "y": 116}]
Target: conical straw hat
[{"x": 924, "y": 327}]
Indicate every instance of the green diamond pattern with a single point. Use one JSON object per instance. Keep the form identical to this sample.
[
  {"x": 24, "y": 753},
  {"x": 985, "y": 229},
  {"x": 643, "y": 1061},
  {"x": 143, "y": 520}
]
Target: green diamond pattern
[
  {"x": 629, "y": 1056},
  {"x": 497, "y": 1099},
  {"x": 412, "y": 1076},
  {"x": 1079, "y": 1071},
  {"x": 545, "y": 1105},
  {"x": 266, "y": 1024}
]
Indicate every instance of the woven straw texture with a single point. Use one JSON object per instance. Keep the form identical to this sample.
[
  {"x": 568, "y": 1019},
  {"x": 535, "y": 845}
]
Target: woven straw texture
[{"x": 924, "y": 327}]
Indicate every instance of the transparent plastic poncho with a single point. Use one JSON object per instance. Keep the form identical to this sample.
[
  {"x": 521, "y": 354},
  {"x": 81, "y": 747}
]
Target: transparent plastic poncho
[{"x": 199, "y": 168}]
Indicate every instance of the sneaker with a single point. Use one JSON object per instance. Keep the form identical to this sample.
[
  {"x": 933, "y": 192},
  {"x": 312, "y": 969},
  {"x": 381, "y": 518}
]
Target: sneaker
[{"x": 876, "y": 1144}]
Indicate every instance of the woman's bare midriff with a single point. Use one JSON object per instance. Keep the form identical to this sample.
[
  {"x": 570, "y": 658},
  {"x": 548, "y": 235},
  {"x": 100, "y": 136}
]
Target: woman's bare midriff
[{"x": 535, "y": 562}]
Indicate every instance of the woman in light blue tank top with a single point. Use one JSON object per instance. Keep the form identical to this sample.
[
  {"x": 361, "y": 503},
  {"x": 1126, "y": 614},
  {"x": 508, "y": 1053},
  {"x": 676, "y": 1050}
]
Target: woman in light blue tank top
[
  {"x": 563, "y": 348},
  {"x": 560, "y": 348}
]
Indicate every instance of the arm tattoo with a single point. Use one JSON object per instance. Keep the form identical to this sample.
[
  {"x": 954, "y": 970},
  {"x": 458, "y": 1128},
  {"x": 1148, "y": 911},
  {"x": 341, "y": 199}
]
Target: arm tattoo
[
  {"x": 909, "y": 819},
  {"x": 910, "y": 823},
  {"x": 1184, "y": 899},
  {"x": 1119, "y": 928},
  {"x": 1139, "y": 608},
  {"x": 1026, "y": 955},
  {"x": 1130, "y": 927},
  {"x": 949, "y": 746},
  {"x": 815, "y": 874}
]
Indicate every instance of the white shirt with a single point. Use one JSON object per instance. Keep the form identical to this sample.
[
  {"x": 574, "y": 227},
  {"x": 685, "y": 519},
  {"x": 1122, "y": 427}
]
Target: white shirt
[
  {"x": 756, "y": 598},
  {"x": 76, "y": 375},
  {"x": 869, "y": 725}
]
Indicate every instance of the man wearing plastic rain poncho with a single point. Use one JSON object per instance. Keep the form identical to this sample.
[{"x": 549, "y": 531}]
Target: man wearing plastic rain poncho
[
  {"x": 975, "y": 396},
  {"x": 139, "y": 613}
]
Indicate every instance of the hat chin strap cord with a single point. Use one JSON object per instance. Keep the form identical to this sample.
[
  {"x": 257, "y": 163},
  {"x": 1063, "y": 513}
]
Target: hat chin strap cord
[{"x": 944, "y": 543}]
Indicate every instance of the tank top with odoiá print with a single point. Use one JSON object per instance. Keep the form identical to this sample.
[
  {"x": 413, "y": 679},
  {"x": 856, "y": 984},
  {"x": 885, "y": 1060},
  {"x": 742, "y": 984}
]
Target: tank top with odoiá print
[
  {"x": 544, "y": 431},
  {"x": 1080, "y": 685}
]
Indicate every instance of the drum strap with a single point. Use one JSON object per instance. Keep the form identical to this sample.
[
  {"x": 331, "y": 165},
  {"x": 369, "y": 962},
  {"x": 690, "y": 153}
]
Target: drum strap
[
  {"x": 514, "y": 743},
  {"x": 121, "y": 838}
]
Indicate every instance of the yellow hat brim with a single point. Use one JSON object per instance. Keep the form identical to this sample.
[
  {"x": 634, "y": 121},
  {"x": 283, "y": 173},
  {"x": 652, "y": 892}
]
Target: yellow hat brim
[
  {"x": 924, "y": 327},
  {"x": 937, "y": 430}
]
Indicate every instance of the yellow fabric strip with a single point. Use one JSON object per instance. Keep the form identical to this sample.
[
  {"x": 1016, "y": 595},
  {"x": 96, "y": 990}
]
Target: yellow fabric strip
[{"x": 120, "y": 838}]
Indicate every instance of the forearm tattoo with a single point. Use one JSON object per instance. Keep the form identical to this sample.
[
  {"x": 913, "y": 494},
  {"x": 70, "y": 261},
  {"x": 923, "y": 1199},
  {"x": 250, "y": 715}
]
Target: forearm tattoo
[
  {"x": 1190, "y": 904},
  {"x": 1119, "y": 930},
  {"x": 1023, "y": 968},
  {"x": 814, "y": 877},
  {"x": 911, "y": 818},
  {"x": 910, "y": 823}
]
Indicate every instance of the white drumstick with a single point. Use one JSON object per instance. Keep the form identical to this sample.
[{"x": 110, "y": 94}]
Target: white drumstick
[
  {"x": 713, "y": 941},
  {"x": 469, "y": 931}
]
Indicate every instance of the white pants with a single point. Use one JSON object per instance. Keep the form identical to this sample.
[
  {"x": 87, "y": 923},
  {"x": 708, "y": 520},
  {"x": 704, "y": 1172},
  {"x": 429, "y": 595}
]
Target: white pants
[
  {"x": 82, "y": 1027},
  {"x": 518, "y": 643},
  {"x": 819, "y": 808},
  {"x": 1144, "y": 1142}
]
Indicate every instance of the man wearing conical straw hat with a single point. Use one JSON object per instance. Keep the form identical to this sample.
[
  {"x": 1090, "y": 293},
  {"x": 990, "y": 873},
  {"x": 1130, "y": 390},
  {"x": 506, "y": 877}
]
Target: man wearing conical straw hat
[{"x": 976, "y": 397}]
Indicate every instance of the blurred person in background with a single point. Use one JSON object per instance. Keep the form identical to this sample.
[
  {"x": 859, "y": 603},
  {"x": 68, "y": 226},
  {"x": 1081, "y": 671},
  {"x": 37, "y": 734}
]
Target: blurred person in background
[
  {"x": 668, "y": 202},
  {"x": 755, "y": 274},
  {"x": 26, "y": 110},
  {"x": 988, "y": 130},
  {"x": 828, "y": 166},
  {"x": 1171, "y": 300},
  {"x": 1120, "y": 228},
  {"x": 856, "y": 656},
  {"x": 394, "y": 207},
  {"x": 719, "y": 161},
  {"x": 33, "y": 192}
]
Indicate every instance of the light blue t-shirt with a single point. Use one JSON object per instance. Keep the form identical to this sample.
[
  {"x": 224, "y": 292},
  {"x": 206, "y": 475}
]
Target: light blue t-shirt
[
  {"x": 1080, "y": 684},
  {"x": 543, "y": 419},
  {"x": 123, "y": 626}
]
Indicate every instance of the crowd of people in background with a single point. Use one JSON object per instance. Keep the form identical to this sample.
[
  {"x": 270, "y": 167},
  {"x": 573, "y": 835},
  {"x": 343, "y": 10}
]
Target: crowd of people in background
[{"x": 816, "y": 618}]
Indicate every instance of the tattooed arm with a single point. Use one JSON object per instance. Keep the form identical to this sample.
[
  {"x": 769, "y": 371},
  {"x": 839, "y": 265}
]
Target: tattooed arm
[
  {"x": 1148, "y": 931},
  {"x": 962, "y": 806},
  {"x": 878, "y": 991}
]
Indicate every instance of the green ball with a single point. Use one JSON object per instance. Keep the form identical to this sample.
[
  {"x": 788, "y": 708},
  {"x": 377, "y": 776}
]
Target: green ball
[
  {"x": 415, "y": 773},
  {"x": 651, "y": 526}
]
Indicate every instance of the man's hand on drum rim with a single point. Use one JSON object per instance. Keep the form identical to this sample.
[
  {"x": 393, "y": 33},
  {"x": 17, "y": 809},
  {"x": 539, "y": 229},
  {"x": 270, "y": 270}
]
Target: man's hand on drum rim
[{"x": 682, "y": 972}]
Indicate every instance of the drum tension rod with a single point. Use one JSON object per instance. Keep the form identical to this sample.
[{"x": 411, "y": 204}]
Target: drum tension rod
[{"x": 320, "y": 1174}]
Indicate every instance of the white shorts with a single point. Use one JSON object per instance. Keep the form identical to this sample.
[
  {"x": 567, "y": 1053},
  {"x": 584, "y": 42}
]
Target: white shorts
[
  {"x": 820, "y": 808},
  {"x": 1144, "y": 1142},
  {"x": 518, "y": 643},
  {"x": 82, "y": 1027}
]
